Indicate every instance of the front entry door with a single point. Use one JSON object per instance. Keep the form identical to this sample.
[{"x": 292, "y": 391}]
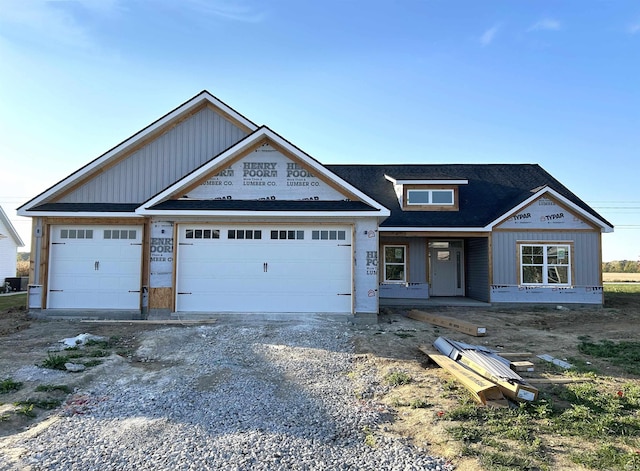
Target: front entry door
[{"x": 446, "y": 271}]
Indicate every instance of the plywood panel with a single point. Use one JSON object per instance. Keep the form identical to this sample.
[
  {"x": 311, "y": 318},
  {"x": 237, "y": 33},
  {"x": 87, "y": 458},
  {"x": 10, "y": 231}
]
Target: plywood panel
[{"x": 160, "y": 298}]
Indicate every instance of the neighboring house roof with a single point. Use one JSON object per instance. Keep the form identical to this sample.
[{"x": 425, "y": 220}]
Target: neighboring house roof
[
  {"x": 492, "y": 191},
  {"x": 11, "y": 231}
]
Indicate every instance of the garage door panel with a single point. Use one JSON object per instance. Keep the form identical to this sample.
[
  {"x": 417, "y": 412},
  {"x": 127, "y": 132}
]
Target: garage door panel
[
  {"x": 90, "y": 270},
  {"x": 296, "y": 274}
]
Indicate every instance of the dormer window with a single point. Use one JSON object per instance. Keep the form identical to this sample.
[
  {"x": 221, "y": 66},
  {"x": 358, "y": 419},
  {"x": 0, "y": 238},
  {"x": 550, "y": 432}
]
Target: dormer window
[
  {"x": 430, "y": 197},
  {"x": 427, "y": 194}
]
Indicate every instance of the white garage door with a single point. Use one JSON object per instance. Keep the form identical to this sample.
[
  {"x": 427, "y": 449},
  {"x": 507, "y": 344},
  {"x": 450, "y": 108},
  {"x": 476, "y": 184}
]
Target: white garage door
[
  {"x": 95, "y": 267},
  {"x": 264, "y": 269}
]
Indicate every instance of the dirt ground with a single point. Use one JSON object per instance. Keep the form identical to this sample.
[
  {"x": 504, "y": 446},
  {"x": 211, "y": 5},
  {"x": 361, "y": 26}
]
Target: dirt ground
[{"x": 389, "y": 345}]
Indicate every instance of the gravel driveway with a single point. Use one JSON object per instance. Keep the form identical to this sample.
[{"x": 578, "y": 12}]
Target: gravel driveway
[{"x": 259, "y": 394}]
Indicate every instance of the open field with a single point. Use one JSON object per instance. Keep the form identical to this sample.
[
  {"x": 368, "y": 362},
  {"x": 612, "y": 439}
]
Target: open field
[
  {"x": 589, "y": 421},
  {"x": 621, "y": 277}
]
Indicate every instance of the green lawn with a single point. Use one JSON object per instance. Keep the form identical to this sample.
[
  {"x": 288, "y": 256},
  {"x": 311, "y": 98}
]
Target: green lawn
[
  {"x": 620, "y": 295},
  {"x": 16, "y": 301}
]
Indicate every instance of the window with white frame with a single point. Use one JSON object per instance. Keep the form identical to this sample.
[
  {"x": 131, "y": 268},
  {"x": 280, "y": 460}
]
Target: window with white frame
[
  {"x": 430, "y": 197},
  {"x": 545, "y": 264},
  {"x": 395, "y": 263}
]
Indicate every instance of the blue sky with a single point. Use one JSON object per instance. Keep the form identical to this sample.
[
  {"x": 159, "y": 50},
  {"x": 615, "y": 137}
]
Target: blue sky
[{"x": 408, "y": 81}]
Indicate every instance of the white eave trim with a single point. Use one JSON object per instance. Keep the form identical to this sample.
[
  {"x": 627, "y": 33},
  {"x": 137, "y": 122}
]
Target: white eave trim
[
  {"x": 71, "y": 214},
  {"x": 232, "y": 152},
  {"x": 433, "y": 229},
  {"x": 293, "y": 214},
  {"x": 546, "y": 190},
  {"x": 426, "y": 182},
  {"x": 104, "y": 158}
]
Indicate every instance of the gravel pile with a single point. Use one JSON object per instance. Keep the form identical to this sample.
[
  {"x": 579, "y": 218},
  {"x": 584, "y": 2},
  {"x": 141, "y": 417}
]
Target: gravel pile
[{"x": 258, "y": 395}]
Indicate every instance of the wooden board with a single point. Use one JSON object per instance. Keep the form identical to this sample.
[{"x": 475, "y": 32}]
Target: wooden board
[
  {"x": 558, "y": 380},
  {"x": 512, "y": 389},
  {"x": 448, "y": 322},
  {"x": 483, "y": 391},
  {"x": 150, "y": 322},
  {"x": 522, "y": 366}
]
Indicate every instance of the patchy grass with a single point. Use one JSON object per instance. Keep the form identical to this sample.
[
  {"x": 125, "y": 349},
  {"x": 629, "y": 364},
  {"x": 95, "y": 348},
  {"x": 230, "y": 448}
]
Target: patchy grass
[
  {"x": 17, "y": 301},
  {"x": 26, "y": 410},
  {"x": 623, "y": 354},
  {"x": 46, "y": 404},
  {"x": 398, "y": 378},
  {"x": 8, "y": 385},
  {"x": 54, "y": 387},
  {"x": 597, "y": 422},
  {"x": 404, "y": 335},
  {"x": 55, "y": 362},
  {"x": 621, "y": 295}
]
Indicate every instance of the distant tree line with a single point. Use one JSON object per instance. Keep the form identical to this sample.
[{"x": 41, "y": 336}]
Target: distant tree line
[{"x": 621, "y": 266}]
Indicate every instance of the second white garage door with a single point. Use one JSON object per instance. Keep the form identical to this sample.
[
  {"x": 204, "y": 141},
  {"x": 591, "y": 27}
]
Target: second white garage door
[{"x": 264, "y": 269}]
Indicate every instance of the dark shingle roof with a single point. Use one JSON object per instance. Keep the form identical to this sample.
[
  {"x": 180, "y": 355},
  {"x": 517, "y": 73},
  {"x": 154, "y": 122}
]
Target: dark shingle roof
[
  {"x": 492, "y": 190},
  {"x": 88, "y": 207}
]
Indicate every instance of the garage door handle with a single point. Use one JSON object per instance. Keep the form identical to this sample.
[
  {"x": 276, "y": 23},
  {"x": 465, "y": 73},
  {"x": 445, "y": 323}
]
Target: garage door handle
[
  {"x": 344, "y": 294},
  {"x": 184, "y": 292},
  {"x": 265, "y": 267},
  {"x": 96, "y": 266},
  {"x": 133, "y": 291}
]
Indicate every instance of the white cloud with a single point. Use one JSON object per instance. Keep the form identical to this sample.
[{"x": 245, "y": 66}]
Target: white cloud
[
  {"x": 546, "y": 24},
  {"x": 488, "y": 36},
  {"x": 51, "y": 21},
  {"x": 634, "y": 28},
  {"x": 233, "y": 10}
]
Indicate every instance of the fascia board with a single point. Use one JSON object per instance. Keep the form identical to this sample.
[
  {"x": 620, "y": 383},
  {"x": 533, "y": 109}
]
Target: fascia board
[
  {"x": 546, "y": 190},
  {"x": 431, "y": 182},
  {"x": 104, "y": 158},
  {"x": 433, "y": 229},
  {"x": 12, "y": 230},
  {"x": 228, "y": 110},
  {"x": 295, "y": 214},
  {"x": 70, "y": 214},
  {"x": 427, "y": 181},
  {"x": 232, "y": 152}
]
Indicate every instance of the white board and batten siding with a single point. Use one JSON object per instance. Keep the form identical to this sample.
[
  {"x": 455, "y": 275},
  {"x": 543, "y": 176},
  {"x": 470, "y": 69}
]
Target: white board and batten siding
[
  {"x": 95, "y": 267},
  {"x": 264, "y": 268}
]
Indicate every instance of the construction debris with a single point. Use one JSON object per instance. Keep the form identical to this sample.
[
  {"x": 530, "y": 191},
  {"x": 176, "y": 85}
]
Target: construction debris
[
  {"x": 522, "y": 366},
  {"x": 558, "y": 380},
  {"x": 489, "y": 365},
  {"x": 555, "y": 361},
  {"x": 448, "y": 322},
  {"x": 483, "y": 391}
]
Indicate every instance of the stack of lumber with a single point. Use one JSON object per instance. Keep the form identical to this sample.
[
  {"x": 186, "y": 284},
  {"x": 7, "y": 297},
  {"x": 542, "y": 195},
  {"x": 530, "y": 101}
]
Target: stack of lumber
[{"x": 482, "y": 371}]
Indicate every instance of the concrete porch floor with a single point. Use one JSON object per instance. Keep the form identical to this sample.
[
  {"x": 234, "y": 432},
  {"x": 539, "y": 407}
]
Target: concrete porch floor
[{"x": 440, "y": 301}]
